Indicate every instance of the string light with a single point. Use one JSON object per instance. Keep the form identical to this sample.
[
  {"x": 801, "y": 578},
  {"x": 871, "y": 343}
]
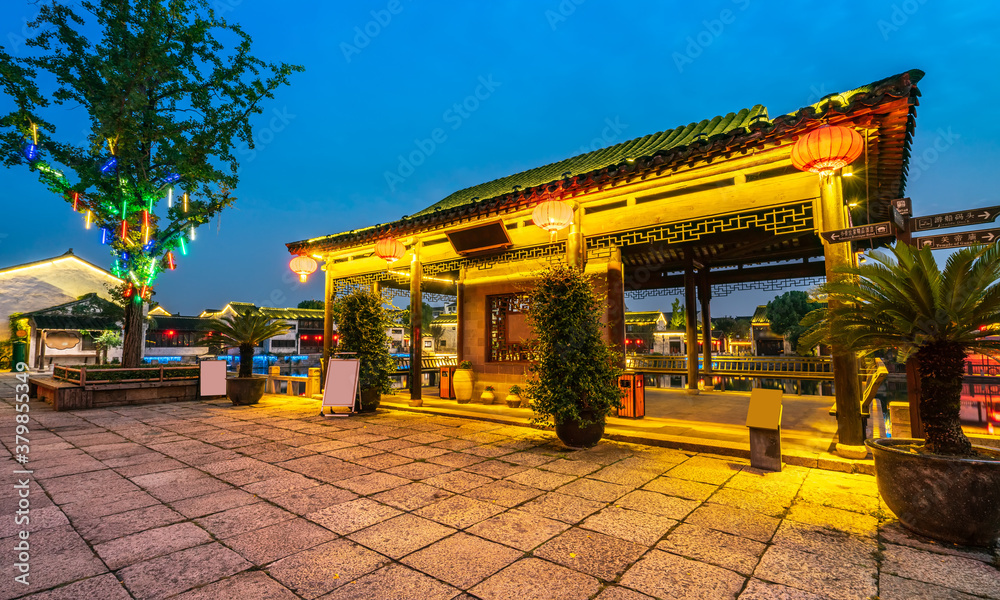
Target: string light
[
  {"x": 184, "y": 249},
  {"x": 145, "y": 227},
  {"x": 185, "y": 202},
  {"x": 170, "y": 261},
  {"x": 89, "y": 218},
  {"x": 76, "y": 199},
  {"x": 124, "y": 230},
  {"x": 108, "y": 165},
  {"x": 170, "y": 197},
  {"x": 192, "y": 233},
  {"x": 105, "y": 235}
]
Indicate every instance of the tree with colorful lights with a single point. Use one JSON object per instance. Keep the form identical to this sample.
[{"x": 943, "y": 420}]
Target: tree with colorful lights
[{"x": 166, "y": 106}]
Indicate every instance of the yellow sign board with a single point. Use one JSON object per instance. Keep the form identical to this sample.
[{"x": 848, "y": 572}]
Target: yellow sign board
[{"x": 765, "y": 409}]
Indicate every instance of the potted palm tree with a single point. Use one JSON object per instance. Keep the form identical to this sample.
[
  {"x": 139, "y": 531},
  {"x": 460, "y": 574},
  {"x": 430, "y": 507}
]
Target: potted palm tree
[
  {"x": 362, "y": 327},
  {"x": 943, "y": 486},
  {"x": 245, "y": 331},
  {"x": 573, "y": 382}
]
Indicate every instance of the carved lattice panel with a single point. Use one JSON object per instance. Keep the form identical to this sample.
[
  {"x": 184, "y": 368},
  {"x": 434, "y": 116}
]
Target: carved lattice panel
[{"x": 508, "y": 339}]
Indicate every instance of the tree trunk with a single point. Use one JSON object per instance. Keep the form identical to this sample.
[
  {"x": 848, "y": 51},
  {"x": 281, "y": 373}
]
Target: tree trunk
[
  {"x": 246, "y": 360},
  {"x": 133, "y": 338},
  {"x": 942, "y": 366}
]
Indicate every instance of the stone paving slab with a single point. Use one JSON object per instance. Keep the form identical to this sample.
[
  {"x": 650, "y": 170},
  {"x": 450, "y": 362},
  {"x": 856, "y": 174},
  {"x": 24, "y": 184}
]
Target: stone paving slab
[{"x": 204, "y": 500}]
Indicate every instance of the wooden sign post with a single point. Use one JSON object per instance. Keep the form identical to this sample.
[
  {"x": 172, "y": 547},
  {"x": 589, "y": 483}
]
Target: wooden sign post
[{"x": 764, "y": 421}]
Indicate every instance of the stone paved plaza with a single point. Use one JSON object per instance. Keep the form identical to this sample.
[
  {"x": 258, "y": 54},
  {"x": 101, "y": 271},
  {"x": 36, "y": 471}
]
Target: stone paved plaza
[{"x": 204, "y": 500}]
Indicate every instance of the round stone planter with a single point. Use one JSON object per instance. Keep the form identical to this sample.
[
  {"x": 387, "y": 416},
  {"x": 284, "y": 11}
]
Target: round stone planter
[
  {"x": 487, "y": 397},
  {"x": 952, "y": 499},
  {"x": 463, "y": 385},
  {"x": 370, "y": 399},
  {"x": 513, "y": 401},
  {"x": 243, "y": 391},
  {"x": 574, "y": 436}
]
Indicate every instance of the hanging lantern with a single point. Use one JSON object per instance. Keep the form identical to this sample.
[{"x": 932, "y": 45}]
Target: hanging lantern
[
  {"x": 827, "y": 149},
  {"x": 389, "y": 249},
  {"x": 552, "y": 215},
  {"x": 304, "y": 266}
]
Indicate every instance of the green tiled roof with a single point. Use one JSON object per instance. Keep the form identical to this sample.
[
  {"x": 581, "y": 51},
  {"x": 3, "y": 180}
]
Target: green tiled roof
[
  {"x": 447, "y": 319},
  {"x": 612, "y": 155},
  {"x": 292, "y": 313},
  {"x": 642, "y": 318},
  {"x": 279, "y": 313},
  {"x": 760, "y": 316},
  {"x": 717, "y": 136}
]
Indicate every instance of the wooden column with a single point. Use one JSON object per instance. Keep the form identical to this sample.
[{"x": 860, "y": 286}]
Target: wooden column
[
  {"x": 460, "y": 316},
  {"x": 616, "y": 304},
  {"x": 691, "y": 339},
  {"x": 847, "y": 387},
  {"x": 328, "y": 296},
  {"x": 416, "y": 343},
  {"x": 705, "y": 297}
]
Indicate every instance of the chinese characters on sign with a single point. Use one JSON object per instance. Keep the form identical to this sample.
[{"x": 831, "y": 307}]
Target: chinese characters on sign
[
  {"x": 958, "y": 240},
  {"x": 862, "y": 232},
  {"x": 976, "y": 216}
]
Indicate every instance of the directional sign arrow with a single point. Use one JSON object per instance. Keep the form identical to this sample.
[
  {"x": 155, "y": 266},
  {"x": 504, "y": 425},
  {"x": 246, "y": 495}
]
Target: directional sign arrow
[
  {"x": 958, "y": 240},
  {"x": 961, "y": 218},
  {"x": 862, "y": 232}
]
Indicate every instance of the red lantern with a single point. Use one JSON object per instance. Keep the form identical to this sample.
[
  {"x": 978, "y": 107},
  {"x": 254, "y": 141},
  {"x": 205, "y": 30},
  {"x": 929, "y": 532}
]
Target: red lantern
[
  {"x": 304, "y": 266},
  {"x": 389, "y": 249},
  {"x": 827, "y": 149},
  {"x": 552, "y": 215}
]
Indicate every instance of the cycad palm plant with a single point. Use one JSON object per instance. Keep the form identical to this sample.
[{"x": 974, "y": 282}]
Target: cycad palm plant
[
  {"x": 244, "y": 331},
  {"x": 904, "y": 301}
]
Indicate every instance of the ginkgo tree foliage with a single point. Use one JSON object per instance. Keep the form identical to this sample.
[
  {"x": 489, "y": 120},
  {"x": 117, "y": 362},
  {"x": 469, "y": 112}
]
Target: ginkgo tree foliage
[{"x": 165, "y": 102}]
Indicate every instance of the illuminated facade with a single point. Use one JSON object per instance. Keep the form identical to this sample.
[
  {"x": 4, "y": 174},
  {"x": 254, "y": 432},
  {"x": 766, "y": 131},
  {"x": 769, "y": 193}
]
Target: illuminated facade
[{"x": 706, "y": 209}]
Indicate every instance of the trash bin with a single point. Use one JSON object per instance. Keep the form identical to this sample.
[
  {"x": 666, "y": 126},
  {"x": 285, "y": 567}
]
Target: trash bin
[
  {"x": 633, "y": 396},
  {"x": 445, "y": 385}
]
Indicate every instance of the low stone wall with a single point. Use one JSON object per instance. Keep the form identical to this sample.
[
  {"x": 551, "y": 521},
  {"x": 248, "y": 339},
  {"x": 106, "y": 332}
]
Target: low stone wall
[{"x": 67, "y": 396}]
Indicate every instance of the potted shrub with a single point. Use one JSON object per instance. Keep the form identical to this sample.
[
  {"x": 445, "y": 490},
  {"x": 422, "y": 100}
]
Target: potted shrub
[
  {"x": 574, "y": 372},
  {"x": 943, "y": 486},
  {"x": 362, "y": 328},
  {"x": 487, "y": 397},
  {"x": 463, "y": 382},
  {"x": 514, "y": 396},
  {"x": 244, "y": 331}
]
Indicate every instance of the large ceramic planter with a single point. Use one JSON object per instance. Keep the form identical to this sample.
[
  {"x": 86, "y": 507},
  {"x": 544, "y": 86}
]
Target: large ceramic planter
[
  {"x": 463, "y": 385},
  {"x": 946, "y": 498},
  {"x": 370, "y": 398},
  {"x": 574, "y": 436},
  {"x": 245, "y": 390}
]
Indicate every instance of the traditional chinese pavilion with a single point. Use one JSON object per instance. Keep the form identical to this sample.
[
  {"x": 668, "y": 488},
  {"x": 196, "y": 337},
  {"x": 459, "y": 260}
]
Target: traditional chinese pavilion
[{"x": 703, "y": 209}]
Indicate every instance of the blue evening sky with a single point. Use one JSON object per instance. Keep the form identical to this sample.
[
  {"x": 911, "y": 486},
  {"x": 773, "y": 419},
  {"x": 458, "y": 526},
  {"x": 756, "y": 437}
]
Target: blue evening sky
[{"x": 554, "y": 78}]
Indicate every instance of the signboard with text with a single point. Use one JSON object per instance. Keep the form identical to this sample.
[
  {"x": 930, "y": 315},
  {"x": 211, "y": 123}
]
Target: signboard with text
[
  {"x": 862, "y": 232},
  {"x": 958, "y": 240},
  {"x": 961, "y": 218}
]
